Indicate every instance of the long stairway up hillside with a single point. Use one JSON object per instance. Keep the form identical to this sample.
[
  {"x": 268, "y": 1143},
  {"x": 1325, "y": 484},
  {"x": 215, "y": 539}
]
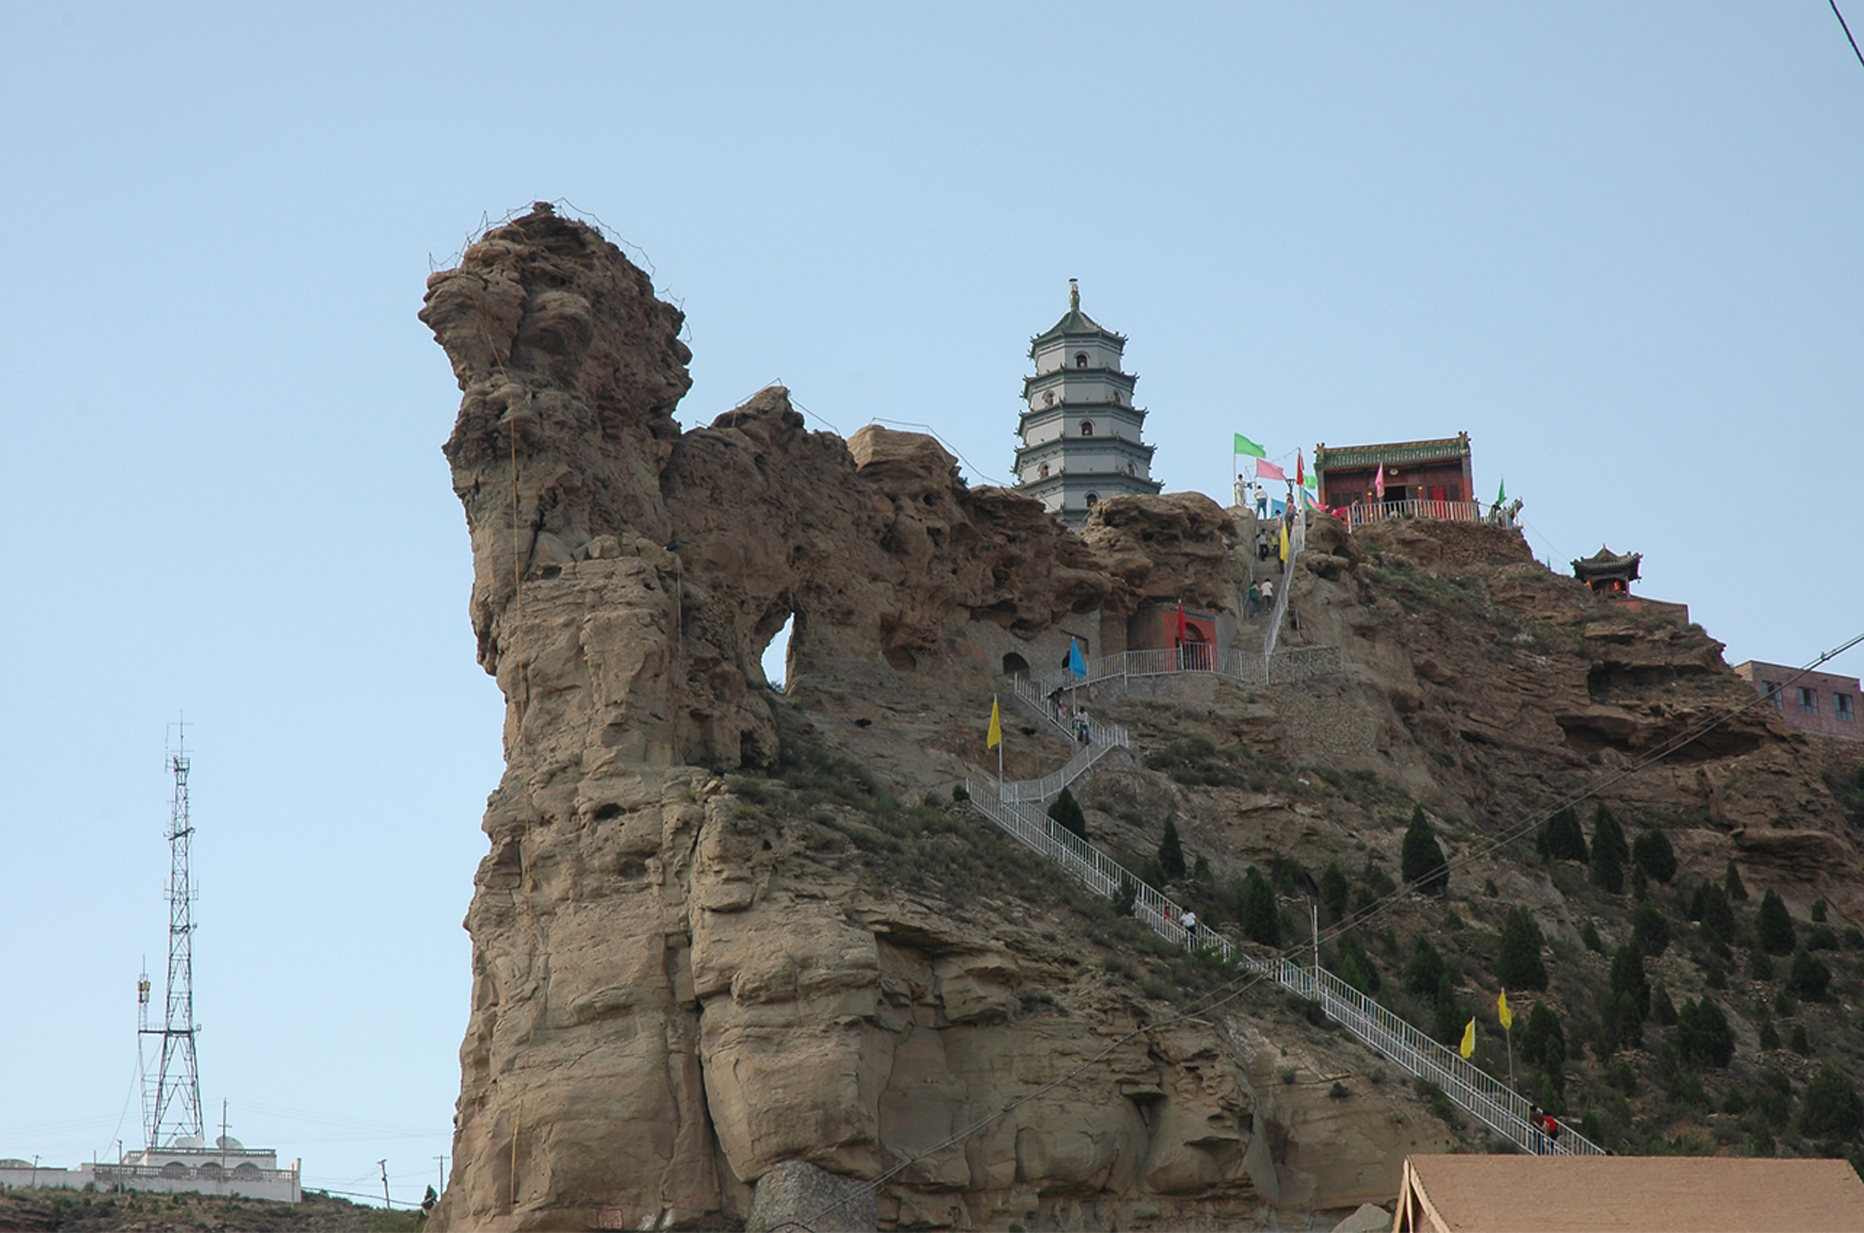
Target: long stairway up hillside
[
  {"x": 1468, "y": 1086},
  {"x": 1017, "y": 807}
]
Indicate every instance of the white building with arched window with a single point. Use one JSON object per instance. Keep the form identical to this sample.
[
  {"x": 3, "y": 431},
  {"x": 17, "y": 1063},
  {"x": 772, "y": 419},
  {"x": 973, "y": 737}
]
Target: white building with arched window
[{"x": 1079, "y": 428}]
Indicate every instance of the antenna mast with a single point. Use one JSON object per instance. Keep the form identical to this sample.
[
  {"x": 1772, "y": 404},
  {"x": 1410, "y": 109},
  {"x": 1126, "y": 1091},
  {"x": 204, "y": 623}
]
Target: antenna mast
[{"x": 174, "y": 1106}]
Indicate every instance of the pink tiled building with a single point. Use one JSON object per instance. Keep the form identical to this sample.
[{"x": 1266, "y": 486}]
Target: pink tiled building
[{"x": 1821, "y": 702}]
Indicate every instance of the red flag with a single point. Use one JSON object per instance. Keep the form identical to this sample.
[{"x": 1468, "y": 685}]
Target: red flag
[
  {"x": 1181, "y": 622},
  {"x": 1300, "y": 470},
  {"x": 1268, "y": 470}
]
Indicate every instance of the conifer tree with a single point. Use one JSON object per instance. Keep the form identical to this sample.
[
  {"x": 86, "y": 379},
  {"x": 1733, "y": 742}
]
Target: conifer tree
[
  {"x": 1426, "y": 974},
  {"x": 1261, "y": 919},
  {"x": 1068, "y": 814},
  {"x": 1655, "y": 856},
  {"x": 1563, "y": 839},
  {"x": 1628, "y": 978},
  {"x": 1609, "y": 853},
  {"x": 1831, "y": 1108},
  {"x": 1649, "y": 929},
  {"x": 1703, "y": 1036},
  {"x": 1171, "y": 852},
  {"x": 1808, "y": 977},
  {"x": 1717, "y": 916},
  {"x": 1773, "y": 928},
  {"x": 1355, "y": 966},
  {"x": 1731, "y": 883},
  {"x": 1128, "y": 895},
  {"x": 1519, "y": 965},
  {"x": 1543, "y": 1040},
  {"x": 1422, "y": 863},
  {"x": 1335, "y": 892}
]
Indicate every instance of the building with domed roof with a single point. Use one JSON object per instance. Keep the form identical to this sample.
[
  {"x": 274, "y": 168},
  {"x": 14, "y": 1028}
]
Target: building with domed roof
[{"x": 1080, "y": 430}]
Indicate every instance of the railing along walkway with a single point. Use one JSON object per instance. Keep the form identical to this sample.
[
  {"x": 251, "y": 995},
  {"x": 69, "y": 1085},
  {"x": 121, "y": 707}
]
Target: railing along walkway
[
  {"x": 1382, "y": 511},
  {"x": 1297, "y": 544},
  {"x": 1297, "y": 664},
  {"x": 1469, "y": 1087}
]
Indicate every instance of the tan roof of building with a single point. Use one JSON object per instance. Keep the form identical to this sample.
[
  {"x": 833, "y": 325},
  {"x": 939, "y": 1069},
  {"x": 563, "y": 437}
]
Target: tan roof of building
[{"x": 1632, "y": 1194}]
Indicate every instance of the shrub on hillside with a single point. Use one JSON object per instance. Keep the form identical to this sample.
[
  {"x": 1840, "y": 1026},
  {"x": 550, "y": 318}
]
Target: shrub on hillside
[
  {"x": 1710, "y": 906},
  {"x": 1261, "y": 920},
  {"x": 1422, "y": 863},
  {"x": 1773, "y": 928},
  {"x": 1335, "y": 892},
  {"x": 1649, "y": 929},
  {"x": 1628, "y": 978},
  {"x": 1543, "y": 1040},
  {"x": 1731, "y": 882},
  {"x": 1426, "y": 974},
  {"x": 1609, "y": 853},
  {"x": 1808, "y": 977},
  {"x": 1655, "y": 856},
  {"x": 1171, "y": 852},
  {"x": 1831, "y": 1108},
  {"x": 1519, "y": 966},
  {"x": 1354, "y": 966},
  {"x": 1662, "y": 1009},
  {"x": 1562, "y": 839},
  {"x": 1703, "y": 1036},
  {"x": 1067, "y": 813}
]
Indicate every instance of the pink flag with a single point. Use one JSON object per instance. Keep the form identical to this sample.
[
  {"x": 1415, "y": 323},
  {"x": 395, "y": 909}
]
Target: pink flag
[
  {"x": 1268, "y": 470},
  {"x": 1378, "y": 482}
]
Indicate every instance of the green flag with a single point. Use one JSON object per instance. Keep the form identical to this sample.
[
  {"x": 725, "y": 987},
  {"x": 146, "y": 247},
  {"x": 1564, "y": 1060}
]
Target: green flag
[
  {"x": 1311, "y": 481},
  {"x": 1501, "y": 493},
  {"x": 1245, "y": 446}
]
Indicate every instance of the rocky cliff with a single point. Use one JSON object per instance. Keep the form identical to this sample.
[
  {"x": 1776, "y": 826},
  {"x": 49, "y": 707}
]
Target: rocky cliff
[{"x": 738, "y": 953}]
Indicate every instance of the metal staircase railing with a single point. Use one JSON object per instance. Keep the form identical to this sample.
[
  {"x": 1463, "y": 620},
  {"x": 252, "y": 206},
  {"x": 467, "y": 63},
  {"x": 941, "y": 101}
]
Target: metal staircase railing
[
  {"x": 1250, "y": 668},
  {"x": 1297, "y": 544},
  {"x": 1469, "y": 1087}
]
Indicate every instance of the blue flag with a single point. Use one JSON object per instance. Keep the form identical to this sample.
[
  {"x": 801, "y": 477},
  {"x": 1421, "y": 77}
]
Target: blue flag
[
  {"x": 1076, "y": 664},
  {"x": 1276, "y": 508}
]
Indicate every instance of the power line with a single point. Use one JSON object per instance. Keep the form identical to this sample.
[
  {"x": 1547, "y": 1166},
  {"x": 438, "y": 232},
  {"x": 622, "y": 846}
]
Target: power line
[{"x": 1845, "y": 26}]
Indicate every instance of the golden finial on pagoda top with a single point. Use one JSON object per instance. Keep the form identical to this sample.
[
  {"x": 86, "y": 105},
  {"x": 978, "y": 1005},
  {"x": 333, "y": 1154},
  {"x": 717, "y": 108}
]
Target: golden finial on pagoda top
[{"x": 1074, "y": 295}]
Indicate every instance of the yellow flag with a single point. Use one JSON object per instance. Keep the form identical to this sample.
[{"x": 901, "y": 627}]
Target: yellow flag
[
  {"x": 1469, "y": 1038},
  {"x": 1502, "y": 1012},
  {"x": 1284, "y": 543},
  {"x": 996, "y": 727}
]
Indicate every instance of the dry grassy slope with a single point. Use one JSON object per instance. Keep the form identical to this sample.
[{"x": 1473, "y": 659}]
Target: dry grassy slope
[{"x": 1487, "y": 689}]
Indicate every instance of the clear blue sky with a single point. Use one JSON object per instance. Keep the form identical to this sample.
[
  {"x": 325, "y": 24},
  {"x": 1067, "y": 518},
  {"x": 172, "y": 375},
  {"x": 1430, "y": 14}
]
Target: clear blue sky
[{"x": 1620, "y": 245}]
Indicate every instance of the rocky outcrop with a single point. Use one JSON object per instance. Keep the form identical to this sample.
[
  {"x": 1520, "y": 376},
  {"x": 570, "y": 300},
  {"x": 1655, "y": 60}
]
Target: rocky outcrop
[
  {"x": 701, "y": 997},
  {"x": 679, "y": 994}
]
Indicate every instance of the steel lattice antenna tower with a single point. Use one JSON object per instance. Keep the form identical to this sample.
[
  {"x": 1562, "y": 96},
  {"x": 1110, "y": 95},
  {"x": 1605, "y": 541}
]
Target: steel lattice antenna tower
[{"x": 174, "y": 1104}]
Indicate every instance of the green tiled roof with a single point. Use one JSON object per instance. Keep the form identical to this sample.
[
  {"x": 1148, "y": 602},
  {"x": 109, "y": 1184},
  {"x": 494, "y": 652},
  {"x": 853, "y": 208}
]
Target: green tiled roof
[
  {"x": 1396, "y": 453},
  {"x": 1605, "y": 562},
  {"x": 1073, "y": 322}
]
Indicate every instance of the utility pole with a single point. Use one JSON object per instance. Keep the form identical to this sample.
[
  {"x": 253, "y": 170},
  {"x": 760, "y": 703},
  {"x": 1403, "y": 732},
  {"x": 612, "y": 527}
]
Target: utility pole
[
  {"x": 177, "y": 1076},
  {"x": 384, "y": 1165},
  {"x": 442, "y": 1162}
]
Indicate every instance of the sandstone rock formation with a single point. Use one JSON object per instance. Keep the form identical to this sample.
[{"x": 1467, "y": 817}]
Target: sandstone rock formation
[{"x": 695, "y": 1004}]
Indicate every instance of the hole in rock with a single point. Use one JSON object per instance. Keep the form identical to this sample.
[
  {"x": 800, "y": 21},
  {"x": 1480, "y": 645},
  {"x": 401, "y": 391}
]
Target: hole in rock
[
  {"x": 776, "y": 654},
  {"x": 604, "y": 812},
  {"x": 1014, "y": 663}
]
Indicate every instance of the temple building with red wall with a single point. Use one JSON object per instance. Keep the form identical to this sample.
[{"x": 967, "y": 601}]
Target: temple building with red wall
[{"x": 1414, "y": 471}]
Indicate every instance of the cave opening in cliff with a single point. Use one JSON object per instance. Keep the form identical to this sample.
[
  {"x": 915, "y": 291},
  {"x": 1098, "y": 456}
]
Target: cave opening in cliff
[{"x": 776, "y": 653}]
